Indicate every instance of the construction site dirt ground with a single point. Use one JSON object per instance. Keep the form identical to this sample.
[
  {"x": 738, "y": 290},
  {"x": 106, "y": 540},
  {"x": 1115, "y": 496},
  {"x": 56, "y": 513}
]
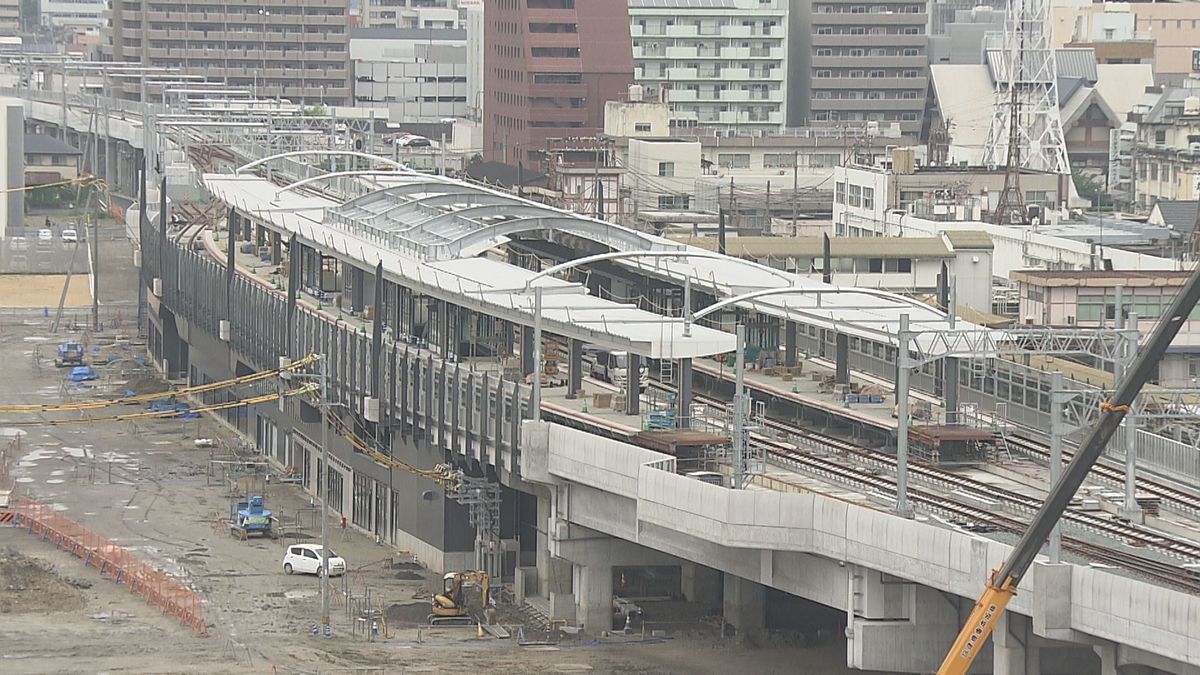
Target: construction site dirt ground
[
  {"x": 147, "y": 487},
  {"x": 35, "y": 291}
]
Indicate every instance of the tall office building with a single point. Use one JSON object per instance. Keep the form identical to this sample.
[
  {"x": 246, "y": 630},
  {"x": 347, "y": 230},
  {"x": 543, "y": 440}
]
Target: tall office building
[
  {"x": 290, "y": 49},
  {"x": 722, "y": 62},
  {"x": 870, "y": 63},
  {"x": 550, "y": 67}
]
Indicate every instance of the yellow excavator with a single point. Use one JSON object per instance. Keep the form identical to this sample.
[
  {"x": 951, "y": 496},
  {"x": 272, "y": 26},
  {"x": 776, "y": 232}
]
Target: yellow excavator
[{"x": 450, "y": 606}]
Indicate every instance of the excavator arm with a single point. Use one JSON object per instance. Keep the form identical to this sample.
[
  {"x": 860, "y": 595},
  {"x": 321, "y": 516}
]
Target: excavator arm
[{"x": 1003, "y": 585}]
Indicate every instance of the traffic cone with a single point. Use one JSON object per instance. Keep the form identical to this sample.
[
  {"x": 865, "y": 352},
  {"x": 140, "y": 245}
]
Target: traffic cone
[
  {"x": 478, "y": 629},
  {"x": 628, "y": 624}
]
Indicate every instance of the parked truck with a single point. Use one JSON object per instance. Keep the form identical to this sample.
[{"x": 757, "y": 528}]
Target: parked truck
[{"x": 613, "y": 367}]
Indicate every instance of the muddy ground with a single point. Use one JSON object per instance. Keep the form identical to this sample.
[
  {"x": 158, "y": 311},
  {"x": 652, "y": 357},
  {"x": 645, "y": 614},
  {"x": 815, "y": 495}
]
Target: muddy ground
[{"x": 146, "y": 487}]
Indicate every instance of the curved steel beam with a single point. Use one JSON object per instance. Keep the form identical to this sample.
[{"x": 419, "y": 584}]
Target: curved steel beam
[
  {"x": 596, "y": 230},
  {"x": 333, "y": 174},
  {"x": 426, "y": 184},
  {"x": 618, "y": 255},
  {"x": 320, "y": 153},
  {"x": 767, "y": 292}
]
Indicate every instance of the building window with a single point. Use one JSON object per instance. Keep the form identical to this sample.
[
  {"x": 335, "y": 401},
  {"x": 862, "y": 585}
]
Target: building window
[
  {"x": 868, "y": 198},
  {"x": 824, "y": 160},
  {"x": 642, "y": 127},
  {"x": 666, "y": 169},
  {"x": 781, "y": 160},
  {"x": 672, "y": 202},
  {"x": 840, "y": 193},
  {"x": 855, "y": 196},
  {"x": 734, "y": 160}
]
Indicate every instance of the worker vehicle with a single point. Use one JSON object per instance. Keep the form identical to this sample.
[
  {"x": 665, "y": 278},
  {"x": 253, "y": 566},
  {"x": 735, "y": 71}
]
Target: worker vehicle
[
  {"x": 70, "y": 236},
  {"x": 248, "y": 517},
  {"x": 613, "y": 367},
  {"x": 450, "y": 606},
  {"x": 45, "y": 234},
  {"x": 1002, "y": 585},
  {"x": 306, "y": 559},
  {"x": 70, "y": 353}
]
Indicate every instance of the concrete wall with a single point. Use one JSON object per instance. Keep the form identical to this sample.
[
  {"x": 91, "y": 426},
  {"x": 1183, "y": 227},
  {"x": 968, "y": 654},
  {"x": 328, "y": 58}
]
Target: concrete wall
[{"x": 762, "y": 536}]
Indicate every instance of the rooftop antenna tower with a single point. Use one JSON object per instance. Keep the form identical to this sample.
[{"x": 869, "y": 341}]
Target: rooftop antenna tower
[{"x": 1026, "y": 129}]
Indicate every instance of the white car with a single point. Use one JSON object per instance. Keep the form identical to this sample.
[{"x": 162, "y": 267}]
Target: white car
[
  {"x": 45, "y": 234},
  {"x": 70, "y": 236},
  {"x": 306, "y": 559}
]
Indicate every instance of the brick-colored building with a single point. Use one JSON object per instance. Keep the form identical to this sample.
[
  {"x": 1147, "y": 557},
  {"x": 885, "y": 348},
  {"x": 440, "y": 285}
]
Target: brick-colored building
[{"x": 550, "y": 66}]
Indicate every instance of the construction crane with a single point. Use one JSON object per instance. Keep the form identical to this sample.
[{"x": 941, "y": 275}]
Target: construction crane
[{"x": 1002, "y": 585}]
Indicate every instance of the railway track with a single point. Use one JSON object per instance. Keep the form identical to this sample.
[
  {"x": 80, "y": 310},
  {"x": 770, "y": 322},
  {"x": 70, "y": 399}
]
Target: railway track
[
  {"x": 789, "y": 452},
  {"x": 1180, "y": 499}
]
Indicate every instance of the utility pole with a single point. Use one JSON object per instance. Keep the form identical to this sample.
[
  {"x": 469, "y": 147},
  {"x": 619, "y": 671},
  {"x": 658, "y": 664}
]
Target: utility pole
[
  {"x": 1056, "y": 464},
  {"x": 323, "y": 491},
  {"x": 535, "y": 394},
  {"x": 95, "y": 235},
  {"x": 795, "y": 189},
  {"x": 902, "y": 415},
  {"x": 769, "y": 219},
  {"x": 739, "y": 412}
]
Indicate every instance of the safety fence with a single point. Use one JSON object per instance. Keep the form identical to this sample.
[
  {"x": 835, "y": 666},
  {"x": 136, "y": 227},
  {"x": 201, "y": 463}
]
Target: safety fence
[{"x": 113, "y": 561}]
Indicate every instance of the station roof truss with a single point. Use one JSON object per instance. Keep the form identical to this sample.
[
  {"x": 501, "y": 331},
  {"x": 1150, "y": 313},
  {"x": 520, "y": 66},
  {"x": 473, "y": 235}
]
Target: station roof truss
[
  {"x": 440, "y": 219},
  {"x": 476, "y": 282}
]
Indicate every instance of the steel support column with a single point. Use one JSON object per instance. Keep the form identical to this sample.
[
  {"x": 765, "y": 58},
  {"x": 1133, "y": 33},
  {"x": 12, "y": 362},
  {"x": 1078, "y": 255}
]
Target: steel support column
[
  {"x": 633, "y": 383},
  {"x": 684, "y": 413},
  {"x": 789, "y": 343},
  {"x": 950, "y": 388},
  {"x": 1056, "y": 439},
  {"x": 842, "y": 374},
  {"x": 902, "y": 416},
  {"x": 574, "y": 367}
]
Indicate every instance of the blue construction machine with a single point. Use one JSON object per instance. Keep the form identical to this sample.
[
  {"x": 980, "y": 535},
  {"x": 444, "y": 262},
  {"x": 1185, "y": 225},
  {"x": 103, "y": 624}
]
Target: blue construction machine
[
  {"x": 248, "y": 517},
  {"x": 70, "y": 353}
]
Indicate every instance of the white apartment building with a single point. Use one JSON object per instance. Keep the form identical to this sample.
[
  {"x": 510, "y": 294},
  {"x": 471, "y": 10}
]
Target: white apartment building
[
  {"x": 76, "y": 14},
  {"x": 722, "y": 62},
  {"x": 419, "y": 75},
  {"x": 410, "y": 14},
  {"x": 661, "y": 173}
]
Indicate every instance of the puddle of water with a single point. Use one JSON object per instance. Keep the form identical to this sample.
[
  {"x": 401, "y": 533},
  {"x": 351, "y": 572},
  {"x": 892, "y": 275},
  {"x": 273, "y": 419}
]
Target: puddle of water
[
  {"x": 54, "y": 481},
  {"x": 24, "y": 479}
]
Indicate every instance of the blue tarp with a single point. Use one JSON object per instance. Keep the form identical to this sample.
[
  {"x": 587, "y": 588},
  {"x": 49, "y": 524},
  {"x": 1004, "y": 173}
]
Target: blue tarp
[
  {"x": 183, "y": 410},
  {"x": 82, "y": 374}
]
